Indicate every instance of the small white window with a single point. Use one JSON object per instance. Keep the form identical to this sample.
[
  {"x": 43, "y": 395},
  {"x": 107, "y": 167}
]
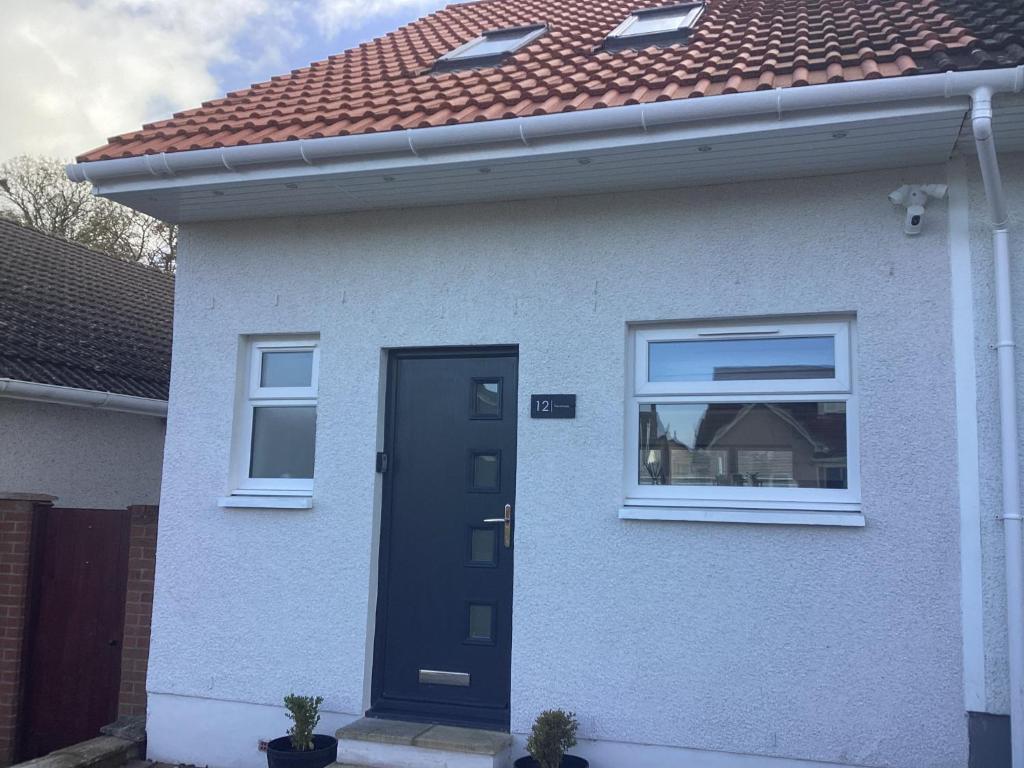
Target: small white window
[
  {"x": 754, "y": 417},
  {"x": 653, "y": 26},
  {"x": 490, "y": 48},
  {"x": 275, "y": 431}
]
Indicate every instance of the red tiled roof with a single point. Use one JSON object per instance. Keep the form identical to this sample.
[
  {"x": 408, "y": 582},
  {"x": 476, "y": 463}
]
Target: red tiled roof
[{"x": 738, "y": 45}]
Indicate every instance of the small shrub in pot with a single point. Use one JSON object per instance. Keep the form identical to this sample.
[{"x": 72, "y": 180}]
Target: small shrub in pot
[
  {"x": 302, "y": 748},
  {"x": 554, "y": 732}
]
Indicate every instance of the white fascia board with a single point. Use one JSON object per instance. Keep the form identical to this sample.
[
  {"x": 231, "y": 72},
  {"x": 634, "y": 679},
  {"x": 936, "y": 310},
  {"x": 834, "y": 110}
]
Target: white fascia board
[
  {"x": 82, "y": 398},
  {"x": 628, "y": 124}
]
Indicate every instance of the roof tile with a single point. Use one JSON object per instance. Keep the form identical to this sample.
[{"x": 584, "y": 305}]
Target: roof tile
[
  {"x": 74, "y": 317},
  {"x": 737, "y": 46}
]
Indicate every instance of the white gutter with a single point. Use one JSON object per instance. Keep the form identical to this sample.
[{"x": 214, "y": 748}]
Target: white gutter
[
  {"x": 230, "y": 163},
  {"x": 981, "y": 121},
  {"x": 83, "y": 398}
]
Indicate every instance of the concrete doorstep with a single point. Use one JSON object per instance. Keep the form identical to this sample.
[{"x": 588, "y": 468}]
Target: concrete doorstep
[{"x": 372, "y": 743}]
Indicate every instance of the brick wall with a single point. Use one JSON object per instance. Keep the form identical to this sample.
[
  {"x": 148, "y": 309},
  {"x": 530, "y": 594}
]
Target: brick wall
[
  {"x": 16, "y": 511},
  {"x": 138, "y": 612}
]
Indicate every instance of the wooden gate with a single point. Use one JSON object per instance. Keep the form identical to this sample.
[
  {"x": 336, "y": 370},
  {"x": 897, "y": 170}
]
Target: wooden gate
[{"x": 72, "y": 661}]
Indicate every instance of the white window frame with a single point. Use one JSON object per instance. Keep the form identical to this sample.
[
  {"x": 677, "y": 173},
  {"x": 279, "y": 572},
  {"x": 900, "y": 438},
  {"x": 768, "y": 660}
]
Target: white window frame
[
  {"x": 693, "y": 12},
  {"x": 792, "y": 330},
  {"x": 253, "y": 396},
  {"x": 708, "y": 502}
]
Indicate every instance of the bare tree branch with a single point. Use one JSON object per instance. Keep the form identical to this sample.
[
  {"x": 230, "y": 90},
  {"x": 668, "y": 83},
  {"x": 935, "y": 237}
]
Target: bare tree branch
[{"x": 35, "y": 192}]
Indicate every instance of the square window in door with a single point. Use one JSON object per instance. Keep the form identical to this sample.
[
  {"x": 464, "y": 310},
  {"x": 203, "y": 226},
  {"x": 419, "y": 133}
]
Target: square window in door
[
  {"x": 483, "y": 547},
  {"x": 485, "y": 471},
  {"x": 485, "y": 399},
  {"x": 481, "y": 624}
]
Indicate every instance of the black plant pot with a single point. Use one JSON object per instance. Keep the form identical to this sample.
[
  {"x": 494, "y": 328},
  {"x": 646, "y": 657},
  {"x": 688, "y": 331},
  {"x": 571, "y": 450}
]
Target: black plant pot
[
  {"x": 568, "y": 761},
  {"x": 281, "y": 755}
]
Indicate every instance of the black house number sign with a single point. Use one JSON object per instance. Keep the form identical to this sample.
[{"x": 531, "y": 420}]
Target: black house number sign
[{"x": 552, "y": 406}]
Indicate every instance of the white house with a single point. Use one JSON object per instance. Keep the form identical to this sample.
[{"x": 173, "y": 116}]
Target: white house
[{"x": 700, "y": 313}]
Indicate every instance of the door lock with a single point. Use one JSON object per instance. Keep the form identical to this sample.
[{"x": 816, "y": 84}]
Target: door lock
[{"x": 507, "y": 521}]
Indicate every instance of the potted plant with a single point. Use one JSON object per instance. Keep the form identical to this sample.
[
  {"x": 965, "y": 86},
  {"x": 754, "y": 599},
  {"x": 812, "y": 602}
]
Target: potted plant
[
  {"x": 554, "y": 731},
  {"x": 302, "y": 748}
]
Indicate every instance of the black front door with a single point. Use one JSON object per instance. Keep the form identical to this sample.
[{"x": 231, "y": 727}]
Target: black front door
[{"x": 444, "y": 611}]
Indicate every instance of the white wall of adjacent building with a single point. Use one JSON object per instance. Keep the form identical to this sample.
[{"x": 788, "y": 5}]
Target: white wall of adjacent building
[
  {"x": 85, "y": 457},
  {"x": 835, "y": 645}
]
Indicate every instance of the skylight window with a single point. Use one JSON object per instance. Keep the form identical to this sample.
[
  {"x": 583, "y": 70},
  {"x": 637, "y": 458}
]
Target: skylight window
[
  {"x": 490, "y": 48},
  {"x": 656, "y": 26}
]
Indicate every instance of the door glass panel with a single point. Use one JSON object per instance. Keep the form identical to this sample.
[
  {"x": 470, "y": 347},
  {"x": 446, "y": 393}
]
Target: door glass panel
[
  {"x": 809, "y": 357},
  {"x": 771, "y": 445},
  {"x": 283, "y": 441},
  {"x": 292, "y": 368},
  {"x": 486, "y": 398},
  {"x": 481, "y": 622},
  {"x": 486, "y": 467},
  {"x": 481, "y": 546}
]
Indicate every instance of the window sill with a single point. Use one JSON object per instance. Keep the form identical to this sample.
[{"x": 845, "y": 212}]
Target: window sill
[
  {"x": 265, "y": 502},
  {"x": 761, "y": 516}
]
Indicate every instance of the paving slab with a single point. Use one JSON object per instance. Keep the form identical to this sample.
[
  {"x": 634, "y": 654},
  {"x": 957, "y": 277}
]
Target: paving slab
[
  {"x": 471, "y": 740},
  {"x": 382, "y": 731}
]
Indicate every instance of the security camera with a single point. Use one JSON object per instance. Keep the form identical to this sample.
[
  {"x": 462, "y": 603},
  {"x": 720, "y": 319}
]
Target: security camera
[
  {"x": 914, "y": 198},
  {"x": 912, "y": 223}
]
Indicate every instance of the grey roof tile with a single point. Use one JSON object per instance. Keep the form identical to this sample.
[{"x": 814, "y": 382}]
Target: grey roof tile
[{"x": 74, "y": 317}]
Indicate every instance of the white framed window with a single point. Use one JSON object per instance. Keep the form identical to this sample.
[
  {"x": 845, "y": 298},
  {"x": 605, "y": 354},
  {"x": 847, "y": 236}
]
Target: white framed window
[
  {"x": 274, "y": 448},
  {"x": 752, "y": 417},
  {"x": 489, "y": 48},
  {"x": 652, "y": 26}
]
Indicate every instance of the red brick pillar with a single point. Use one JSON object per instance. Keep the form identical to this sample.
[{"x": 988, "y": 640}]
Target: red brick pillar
[
  {"x": 138, "y": 610},
  {"x": 16, "y": 514}
]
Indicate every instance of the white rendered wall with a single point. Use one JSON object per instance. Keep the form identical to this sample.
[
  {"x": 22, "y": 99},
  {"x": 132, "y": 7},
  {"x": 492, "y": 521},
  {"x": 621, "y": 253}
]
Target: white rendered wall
[
  {"x": 83, "y": 456},
  {"x": 827, "y": 644},
  {"x": 1012, "y": 166}
]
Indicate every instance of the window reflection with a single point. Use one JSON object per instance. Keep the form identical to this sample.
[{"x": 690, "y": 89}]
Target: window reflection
[
  {"x": 806, "y": 357},
  {"x": 774, "y": 445}
]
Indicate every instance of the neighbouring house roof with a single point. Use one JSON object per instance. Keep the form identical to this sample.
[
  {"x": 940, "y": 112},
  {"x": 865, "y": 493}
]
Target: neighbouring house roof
[
  {"x": 74, "y": 317},
  {"x": 736, "y": 46}
]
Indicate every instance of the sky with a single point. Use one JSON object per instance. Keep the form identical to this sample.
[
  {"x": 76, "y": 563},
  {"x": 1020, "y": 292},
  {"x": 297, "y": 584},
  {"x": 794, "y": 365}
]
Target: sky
[{"x": 73, "y": 72}]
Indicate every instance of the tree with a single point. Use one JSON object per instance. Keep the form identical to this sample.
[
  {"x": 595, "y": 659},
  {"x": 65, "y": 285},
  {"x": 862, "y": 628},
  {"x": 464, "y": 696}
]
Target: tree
[{"x": 35, "y": 191}]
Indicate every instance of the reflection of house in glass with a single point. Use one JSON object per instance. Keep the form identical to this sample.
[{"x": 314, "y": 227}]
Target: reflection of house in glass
[
  {"x": 773, "y": 372},
  {"x": 744, "y": 444}
]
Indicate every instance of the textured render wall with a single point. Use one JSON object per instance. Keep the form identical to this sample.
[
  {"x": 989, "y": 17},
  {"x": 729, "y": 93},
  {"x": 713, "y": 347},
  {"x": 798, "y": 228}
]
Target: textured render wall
[
  {"x": 84, "y": 457},
  {"x": 1012, "y": 166},
  {"x": 829, "y": 644}
]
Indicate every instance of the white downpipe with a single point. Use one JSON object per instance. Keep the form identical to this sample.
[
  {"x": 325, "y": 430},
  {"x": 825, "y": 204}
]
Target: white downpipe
[
  {"x": 83, "y": 398},
  {"x": 981, "y": 120}
]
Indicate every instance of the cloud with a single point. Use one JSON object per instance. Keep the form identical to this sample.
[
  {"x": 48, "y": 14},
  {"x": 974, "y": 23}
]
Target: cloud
[
  {"x": 75, "y": 73},
  {"x": 336, "y": 15}
]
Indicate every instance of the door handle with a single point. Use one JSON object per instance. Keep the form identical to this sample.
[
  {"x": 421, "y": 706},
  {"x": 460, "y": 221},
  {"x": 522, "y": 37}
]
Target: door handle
[{"x": 507, "y": 521}]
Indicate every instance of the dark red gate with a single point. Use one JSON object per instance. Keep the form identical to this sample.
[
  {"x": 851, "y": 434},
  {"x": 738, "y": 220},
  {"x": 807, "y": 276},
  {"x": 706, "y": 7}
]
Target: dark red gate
[{"x": 76, "y": 624}]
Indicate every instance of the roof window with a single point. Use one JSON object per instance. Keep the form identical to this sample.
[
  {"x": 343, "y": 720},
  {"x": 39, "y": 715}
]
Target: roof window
[
  {"x": 490, "y": 48},
  {"x": 656, "y": 26}
]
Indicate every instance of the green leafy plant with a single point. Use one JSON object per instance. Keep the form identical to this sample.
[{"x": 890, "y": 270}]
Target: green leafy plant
[
  {"x": 554, "y": 732},
  {"x": 304, "y": 712}
]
